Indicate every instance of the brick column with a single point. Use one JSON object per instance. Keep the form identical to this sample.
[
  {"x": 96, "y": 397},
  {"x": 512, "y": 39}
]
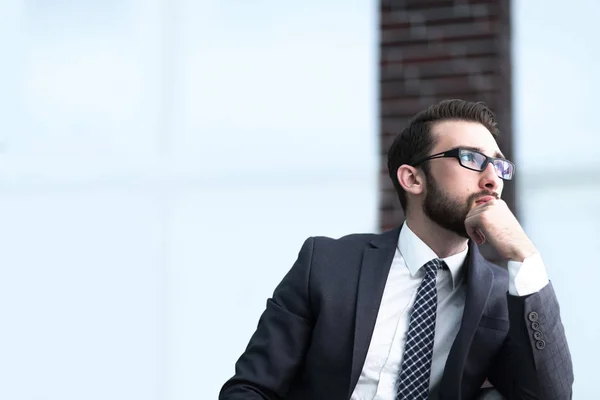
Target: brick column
[{"x": 432, "y": 50}]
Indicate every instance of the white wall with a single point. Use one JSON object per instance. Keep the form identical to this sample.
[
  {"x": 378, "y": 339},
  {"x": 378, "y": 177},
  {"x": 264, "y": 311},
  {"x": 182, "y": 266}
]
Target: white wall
[
  {"x": 161, "y": 163},
  {"x": 556, "y": 58}
]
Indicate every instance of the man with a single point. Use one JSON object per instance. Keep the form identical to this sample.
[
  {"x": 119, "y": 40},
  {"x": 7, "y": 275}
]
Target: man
[{"x": 417, "y": 312}]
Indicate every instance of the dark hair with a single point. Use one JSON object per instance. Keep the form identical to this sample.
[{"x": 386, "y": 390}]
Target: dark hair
[{"x": 416, "y": 141}]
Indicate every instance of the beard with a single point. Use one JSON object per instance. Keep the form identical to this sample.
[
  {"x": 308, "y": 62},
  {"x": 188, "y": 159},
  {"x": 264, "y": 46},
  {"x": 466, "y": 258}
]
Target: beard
[{"x": 447, "y": 211}]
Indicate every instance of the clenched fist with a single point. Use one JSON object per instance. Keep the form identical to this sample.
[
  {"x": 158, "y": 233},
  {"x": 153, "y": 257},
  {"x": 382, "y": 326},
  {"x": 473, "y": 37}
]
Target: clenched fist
[{"x": 492, "y": 220}]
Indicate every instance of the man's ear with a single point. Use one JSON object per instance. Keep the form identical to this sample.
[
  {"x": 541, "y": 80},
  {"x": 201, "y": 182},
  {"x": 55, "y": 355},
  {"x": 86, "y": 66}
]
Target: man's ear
[{"x": 411, "y": 179}]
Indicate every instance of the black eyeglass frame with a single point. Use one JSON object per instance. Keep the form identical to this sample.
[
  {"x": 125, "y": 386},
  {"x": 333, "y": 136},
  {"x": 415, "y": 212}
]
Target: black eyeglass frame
[{"x": 455, "y": 153}]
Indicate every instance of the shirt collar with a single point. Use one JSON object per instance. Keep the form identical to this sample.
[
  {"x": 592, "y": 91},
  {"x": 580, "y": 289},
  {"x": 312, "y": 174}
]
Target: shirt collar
[{"x": 416, "y": 254}]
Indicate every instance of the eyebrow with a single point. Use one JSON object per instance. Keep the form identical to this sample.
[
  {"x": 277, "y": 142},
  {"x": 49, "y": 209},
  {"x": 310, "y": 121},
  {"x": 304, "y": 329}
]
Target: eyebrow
[{"x": 497, "y": 154}]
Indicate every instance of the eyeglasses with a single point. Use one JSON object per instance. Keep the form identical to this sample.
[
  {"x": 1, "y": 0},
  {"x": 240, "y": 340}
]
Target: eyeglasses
[{"x": 476, "y": 161}]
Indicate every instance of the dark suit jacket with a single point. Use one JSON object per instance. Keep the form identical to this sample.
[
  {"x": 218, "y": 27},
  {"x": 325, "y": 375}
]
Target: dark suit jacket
[{"x": 312, "y": 339}]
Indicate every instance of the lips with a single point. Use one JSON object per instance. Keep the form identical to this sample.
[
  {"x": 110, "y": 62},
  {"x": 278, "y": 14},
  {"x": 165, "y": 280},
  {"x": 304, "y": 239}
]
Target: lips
[{"x": 484, "y": 199}]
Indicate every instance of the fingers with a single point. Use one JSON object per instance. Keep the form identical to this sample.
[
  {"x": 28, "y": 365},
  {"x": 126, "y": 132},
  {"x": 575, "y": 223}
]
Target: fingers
[
  {"x": 474, "y": 232},
  {"x": 475, "y": 222},
  {"x": 480, "y": 236}
]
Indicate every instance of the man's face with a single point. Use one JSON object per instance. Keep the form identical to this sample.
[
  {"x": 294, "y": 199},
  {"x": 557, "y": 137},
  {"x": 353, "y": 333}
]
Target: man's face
[{"x": 452, "y": 190}]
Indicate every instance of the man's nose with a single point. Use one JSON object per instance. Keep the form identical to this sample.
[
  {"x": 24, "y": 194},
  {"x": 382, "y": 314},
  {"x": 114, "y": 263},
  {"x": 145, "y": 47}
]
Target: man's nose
[{"x": 490, "y": 179}]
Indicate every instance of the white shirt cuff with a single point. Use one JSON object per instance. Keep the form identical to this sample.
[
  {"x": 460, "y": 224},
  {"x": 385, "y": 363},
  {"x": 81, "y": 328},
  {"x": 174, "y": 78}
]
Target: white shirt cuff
[{"x": 527, "y": 277}]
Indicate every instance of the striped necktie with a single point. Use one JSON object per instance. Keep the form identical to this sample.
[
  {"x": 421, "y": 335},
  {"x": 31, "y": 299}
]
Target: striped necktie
[{"x": 416, "y": 364}]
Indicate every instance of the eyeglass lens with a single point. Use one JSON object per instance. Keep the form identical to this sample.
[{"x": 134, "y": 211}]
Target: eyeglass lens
[{"x": 476, "y": 161}]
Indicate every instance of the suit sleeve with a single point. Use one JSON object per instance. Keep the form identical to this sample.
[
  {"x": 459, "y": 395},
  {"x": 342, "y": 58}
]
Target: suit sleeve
[
  {"x": 534, "y": 362},
  {"x": 277, "y": 348}
]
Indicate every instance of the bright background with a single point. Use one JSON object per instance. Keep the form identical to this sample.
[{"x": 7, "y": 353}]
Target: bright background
[{"x": 162, "y": 161}]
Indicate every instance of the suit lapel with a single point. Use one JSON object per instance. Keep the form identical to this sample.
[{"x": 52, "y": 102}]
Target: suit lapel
[
  {"x": 479, "y": 285},
  {"x": 374, "y": 270}
]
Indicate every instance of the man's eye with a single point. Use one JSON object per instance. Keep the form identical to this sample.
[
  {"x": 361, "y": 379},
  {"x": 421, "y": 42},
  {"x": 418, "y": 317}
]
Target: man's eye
[{"x": 467, "y": 157}]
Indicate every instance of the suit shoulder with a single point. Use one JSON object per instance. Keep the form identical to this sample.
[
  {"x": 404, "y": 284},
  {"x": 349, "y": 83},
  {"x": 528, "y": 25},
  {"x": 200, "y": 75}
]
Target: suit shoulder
[
  {"x": 351, "y": 240},
  {"x": 348, "y": 244}
]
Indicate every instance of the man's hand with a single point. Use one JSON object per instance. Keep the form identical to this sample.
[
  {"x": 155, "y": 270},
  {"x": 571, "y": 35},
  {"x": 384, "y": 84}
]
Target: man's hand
[{"x": 493, "y": 221}]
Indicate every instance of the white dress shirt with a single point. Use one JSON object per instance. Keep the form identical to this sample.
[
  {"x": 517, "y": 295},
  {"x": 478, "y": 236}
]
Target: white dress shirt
[{"x": 378, "y": 378}]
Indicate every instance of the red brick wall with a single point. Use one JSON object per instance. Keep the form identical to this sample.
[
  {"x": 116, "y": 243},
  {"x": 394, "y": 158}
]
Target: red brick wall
[{"x": 431, "y": 50}]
